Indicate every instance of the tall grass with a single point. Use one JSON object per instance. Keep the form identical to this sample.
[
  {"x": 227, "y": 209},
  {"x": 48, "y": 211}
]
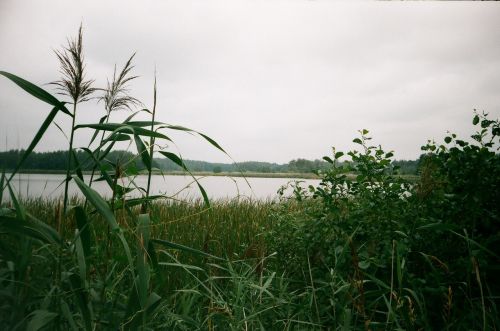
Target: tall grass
[
  {"x": 364, "y": 253},
  {"x": 92, "y": 283},
  {"x": 74, "y": 85}
]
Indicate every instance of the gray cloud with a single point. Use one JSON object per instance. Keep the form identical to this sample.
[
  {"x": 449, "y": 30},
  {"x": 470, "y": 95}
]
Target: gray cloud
[{"x": 270, "y": 80}]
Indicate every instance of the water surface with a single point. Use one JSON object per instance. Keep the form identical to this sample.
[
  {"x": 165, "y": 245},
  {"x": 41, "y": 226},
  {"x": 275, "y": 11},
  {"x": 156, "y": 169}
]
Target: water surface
[{"x": 181, "y": 187}]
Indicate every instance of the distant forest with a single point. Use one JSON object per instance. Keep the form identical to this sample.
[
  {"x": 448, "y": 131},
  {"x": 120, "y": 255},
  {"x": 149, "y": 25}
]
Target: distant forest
[{"x": 54, "y": 161}]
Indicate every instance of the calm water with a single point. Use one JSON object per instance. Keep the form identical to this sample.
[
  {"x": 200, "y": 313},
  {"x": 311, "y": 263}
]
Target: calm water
[{"x": 181, "y": 187}]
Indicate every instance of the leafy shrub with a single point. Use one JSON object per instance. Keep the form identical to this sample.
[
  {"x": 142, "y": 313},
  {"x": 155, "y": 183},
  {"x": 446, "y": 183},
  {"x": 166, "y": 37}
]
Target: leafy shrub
[{"x": 407, "y": 254}]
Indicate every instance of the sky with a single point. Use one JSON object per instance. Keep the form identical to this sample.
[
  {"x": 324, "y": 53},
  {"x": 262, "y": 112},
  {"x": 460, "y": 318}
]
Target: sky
[{"x": 268, "y": 80}]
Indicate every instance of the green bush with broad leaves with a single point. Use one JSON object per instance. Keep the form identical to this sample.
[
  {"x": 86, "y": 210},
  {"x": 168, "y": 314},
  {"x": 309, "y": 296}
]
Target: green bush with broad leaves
[{"x": 403, "y": 254}]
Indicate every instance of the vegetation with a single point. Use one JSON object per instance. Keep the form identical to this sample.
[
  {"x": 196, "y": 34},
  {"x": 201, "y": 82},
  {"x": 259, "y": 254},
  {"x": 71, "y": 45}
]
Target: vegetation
[
  {"x": 368, "y": 252},
  {"x": 58, "y": 161}
]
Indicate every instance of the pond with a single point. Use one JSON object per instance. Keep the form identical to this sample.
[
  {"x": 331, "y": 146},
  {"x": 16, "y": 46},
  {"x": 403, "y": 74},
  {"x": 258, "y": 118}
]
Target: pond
[{"x": 179, "y": 187}]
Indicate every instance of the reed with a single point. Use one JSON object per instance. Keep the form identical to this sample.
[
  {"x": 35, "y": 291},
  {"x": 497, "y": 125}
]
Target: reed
[
  {"x": 74, "y": 85},
  {"x": 371, "y": 252}
]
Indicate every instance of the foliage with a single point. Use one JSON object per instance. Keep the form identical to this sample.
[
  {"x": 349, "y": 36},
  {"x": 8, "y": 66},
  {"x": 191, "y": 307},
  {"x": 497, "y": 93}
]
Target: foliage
[
  {"x": 366, "y": 252},
  {"x": 58, "y": 160},
  {"x": 407, "y": 255},
  {"x": 57, "y": 277}
]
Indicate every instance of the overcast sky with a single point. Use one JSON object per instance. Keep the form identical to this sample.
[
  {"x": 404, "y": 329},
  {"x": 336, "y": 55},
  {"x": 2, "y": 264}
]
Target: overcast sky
[{"x": 269, "y": 80}]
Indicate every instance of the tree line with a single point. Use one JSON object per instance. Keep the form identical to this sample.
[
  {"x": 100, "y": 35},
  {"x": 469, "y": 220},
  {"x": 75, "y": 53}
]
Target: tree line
[{"x": 58, "y": 160}]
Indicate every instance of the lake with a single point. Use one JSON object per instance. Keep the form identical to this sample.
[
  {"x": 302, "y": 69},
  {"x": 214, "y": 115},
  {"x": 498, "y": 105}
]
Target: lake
[{"x": 180, "y": 187}]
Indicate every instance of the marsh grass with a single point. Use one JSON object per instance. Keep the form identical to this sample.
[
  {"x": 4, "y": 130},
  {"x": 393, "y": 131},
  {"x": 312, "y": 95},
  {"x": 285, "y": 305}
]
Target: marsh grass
[
  {"x": 74, "y": 85},
  {"x": 364, "y": 253}
]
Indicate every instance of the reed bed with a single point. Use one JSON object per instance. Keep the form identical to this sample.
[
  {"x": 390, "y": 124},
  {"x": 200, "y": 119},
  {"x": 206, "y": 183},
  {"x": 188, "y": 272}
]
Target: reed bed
[{"x": 365, "y": 249}]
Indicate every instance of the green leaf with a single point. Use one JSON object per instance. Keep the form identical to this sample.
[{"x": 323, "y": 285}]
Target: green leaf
[
  {"x": 104, "y": 173},
  {"x": 365, "y": 132},
  {"x": 153, "y": 302},
  {"x": 447, "y": 140},
  {"x": 171, "y": 245},
  {"x": 143, "y": 232},
  {"x": 36, "y": 91},
  {"x": 204, "y": 194},
  {"x": 96, "y": 132},
  {"x": 104, "y": 209},
  {"x": 78, "y": 168},
  {"x": 437, "y": 226},
  {"x": 2, "y": 180},
  {"x": 39, "y": 319},
  {"x": 211, "y": 141},
  {"x": 475, "y": 120},
  {"x": 143, "y": 123},
  {"x": 80, "y": 256},
  {"x": 485, "y": 123},
  {"x": 21, "y": 213},
  {"x": 81, "y": 299},
  {"x": 327, "y": 159},
  {"x": 68, "y": 315},
  {"x": 364, "y": 264},
  {"x": 35, "y": 140},
  {"x": 116, "y": 136},
  {"x": 120, "y": 127},
  {"x": 32, "y": 228},
  {"x": 357, "y": 141},
  {"x": 143, "y": 229},
  {"x": 82, "y": 224},
  {"x": 142, "y": 150},
  {"x": 177, "y": 160},
  {"x": 99, "y": 203},
  {"x": 137, "y": 201},
  {"x": 338, "y": 155},
  {"x": 174, "y": 158}
]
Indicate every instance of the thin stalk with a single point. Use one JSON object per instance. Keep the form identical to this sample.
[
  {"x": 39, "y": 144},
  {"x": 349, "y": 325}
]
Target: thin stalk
[
  {"x": 108, "y": 232},
  {"x": 94, "y": 168},
  {"x": 115, "y": 97},
  {"x": 144, "y": 208},
  {"x": 70, "y": 158},
  {"x": 74, "y": 85}
]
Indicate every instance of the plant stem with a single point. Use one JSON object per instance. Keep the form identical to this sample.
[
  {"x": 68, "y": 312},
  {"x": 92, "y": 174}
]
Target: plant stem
[
  {"x": 144, "y": 207},
  {"x": 70, "y": 157},
  {"x": 94, "y": 168}
]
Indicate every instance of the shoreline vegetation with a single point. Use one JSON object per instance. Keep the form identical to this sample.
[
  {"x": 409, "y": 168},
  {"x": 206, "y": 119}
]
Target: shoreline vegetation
[
  {"x": 39, "y": 162},
  {"x": 364, "y": 249},
  {"x": 247, "y": 174},
  {"x": 55, "y": 163}
]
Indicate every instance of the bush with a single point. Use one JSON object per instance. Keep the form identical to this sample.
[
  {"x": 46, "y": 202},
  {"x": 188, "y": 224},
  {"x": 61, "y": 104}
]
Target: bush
[{"x": 406, "y": 254}]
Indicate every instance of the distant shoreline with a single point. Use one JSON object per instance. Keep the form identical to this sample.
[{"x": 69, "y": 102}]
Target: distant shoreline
[
  {"x": 195, "y": 173},
  {"x": 291, "y": 175}
]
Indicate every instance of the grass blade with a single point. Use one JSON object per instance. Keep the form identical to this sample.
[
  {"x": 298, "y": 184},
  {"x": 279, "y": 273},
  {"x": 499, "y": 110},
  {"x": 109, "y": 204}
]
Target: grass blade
[
  {"x": 35, "y": 140},
  {"x": 99, "y": 203},
  {"x": 39, "y": 319},
  {"x": 169, "y": 244},
  {"x": 81, "y": 299},
  {"x": 143, "y": 229},
  {"x": 174, "y": 158},
  {"x": 143, "y": 151},
  {"x": 2, "y": 180},
  {"x": 78, "y": 168},
  {"x": 119, "y": 127},
  {"x": 36, "y": 91},
  {"x": 20, "y": 212},
  {"x": 82, "y": 224},
  {"x": 178, "y": 160},
  {"x": 32, "y": 228}
]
